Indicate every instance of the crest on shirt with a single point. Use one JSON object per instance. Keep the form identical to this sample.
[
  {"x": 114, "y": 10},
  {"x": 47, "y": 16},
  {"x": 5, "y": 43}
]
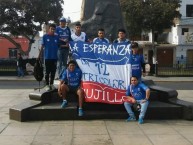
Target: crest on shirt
[{"x": 134, "y": 58}]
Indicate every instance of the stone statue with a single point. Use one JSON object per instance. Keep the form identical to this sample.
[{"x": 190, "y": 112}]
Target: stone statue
[{"x": 105, "y": 14}]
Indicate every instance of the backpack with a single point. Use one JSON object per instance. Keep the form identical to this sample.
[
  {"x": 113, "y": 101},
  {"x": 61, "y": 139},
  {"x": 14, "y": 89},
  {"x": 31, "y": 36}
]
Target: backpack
[{"x": 38, "y": 70}]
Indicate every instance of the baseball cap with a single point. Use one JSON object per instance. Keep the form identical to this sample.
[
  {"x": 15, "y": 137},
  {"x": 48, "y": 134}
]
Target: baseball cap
[{"x": 62, "y": 19}]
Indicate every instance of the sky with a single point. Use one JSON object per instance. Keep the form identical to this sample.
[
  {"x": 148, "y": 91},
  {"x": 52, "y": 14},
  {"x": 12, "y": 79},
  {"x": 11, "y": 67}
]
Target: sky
[{"x": 72, "y": 9}]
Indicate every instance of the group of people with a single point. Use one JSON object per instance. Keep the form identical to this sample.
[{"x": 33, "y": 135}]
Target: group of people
[{"x": 56, "y": 49}]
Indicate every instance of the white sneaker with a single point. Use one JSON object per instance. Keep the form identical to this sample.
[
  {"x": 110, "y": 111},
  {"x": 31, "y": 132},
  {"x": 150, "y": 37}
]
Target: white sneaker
[
  {"x": 47, "y": 88},
  {"x": 52, "y": 87}
]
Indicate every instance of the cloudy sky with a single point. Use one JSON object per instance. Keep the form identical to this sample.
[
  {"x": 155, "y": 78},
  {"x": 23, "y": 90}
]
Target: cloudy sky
[{"x": 72, "y": 9}]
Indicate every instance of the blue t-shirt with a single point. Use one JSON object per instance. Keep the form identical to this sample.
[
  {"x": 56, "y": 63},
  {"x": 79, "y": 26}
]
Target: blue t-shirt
[
  {"x": 72, "y": 79},
  {"x": 99, "y": 40},
  {"x": 138, "y": 91},
  {"x": 63, "y": 33},
  {"x": 136, "y": 65},
  {"x": 51, "y": 44},
  {"x": 121, "y": 41}
]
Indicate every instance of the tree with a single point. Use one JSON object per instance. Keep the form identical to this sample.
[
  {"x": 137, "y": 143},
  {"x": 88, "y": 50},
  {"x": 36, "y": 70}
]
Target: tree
[
  {"x": 133, "y": 14},
  {"x": 25, "y": 17},
  {"x": 149, "y": 15},
  {"x": 154, "y": 15}
]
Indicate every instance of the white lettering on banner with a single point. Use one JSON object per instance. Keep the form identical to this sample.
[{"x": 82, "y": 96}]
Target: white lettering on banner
[
  {"x": 121, "y": 50},
  {"x": 102, "y": 96},
  {"x": 75, "y": 47}
]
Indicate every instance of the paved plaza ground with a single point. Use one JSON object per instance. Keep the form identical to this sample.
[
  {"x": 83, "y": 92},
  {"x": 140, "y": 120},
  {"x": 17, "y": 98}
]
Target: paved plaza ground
[{"x": 91, "y": 132}]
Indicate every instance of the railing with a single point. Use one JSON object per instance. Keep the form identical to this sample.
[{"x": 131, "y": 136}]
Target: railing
[
  {"x": 8, "y": 67},
  {"x": 176, "y": 70}
]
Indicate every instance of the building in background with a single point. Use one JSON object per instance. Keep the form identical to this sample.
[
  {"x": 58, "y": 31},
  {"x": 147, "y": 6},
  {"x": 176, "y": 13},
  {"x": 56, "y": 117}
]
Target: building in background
[
  {"x": 182, "y": 35},
  {"x": 9, "y": 51},
  {"x": 175, "y": 45}
]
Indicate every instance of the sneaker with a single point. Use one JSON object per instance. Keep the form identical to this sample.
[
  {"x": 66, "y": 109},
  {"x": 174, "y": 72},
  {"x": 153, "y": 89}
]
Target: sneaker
[
  {"x": 52, "y": 87},
  {"x": 80, "y": 112},
  {"x": 140, "y": 121},
  {"x": 64, "y": 104},
  {"x": 131, "y": 118},
  {"x": 47, "y": 87}
]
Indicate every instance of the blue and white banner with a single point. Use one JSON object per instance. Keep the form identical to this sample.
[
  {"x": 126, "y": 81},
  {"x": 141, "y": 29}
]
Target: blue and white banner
[{"x": 106, "y": 70}]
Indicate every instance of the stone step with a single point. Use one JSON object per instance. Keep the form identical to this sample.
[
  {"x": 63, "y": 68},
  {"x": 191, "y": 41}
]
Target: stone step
[
  {"x": 53, "y": 111},
  {"x": 43, "y": 105},
  {"x": 20, "y": 112}
]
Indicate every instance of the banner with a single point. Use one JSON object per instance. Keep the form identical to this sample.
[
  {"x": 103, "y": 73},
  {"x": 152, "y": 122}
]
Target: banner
[{"x": 106, "y": 70}]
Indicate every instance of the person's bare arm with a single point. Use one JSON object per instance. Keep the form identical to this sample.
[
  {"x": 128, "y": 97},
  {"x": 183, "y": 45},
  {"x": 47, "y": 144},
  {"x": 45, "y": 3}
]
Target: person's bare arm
[
  {"x": 147, "y": 95},
  {"x": 41, "y": 50}
]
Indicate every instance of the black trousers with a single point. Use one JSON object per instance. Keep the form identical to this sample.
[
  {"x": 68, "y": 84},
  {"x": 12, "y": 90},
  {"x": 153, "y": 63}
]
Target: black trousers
[{"x": 50, "y": 65}]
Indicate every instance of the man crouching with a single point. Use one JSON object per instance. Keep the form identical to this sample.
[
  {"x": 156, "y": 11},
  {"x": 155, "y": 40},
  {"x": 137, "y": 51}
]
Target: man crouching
[{"x": 70, "y": 82}]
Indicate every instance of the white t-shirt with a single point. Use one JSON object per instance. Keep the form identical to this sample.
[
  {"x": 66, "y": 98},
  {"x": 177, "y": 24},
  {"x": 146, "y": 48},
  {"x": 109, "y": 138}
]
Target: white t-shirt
[{"x": 81, "y": 37}]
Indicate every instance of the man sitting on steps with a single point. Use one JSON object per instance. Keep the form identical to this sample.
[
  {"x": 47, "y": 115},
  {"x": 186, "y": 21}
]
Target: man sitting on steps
[{"x": 70, "y": 82}]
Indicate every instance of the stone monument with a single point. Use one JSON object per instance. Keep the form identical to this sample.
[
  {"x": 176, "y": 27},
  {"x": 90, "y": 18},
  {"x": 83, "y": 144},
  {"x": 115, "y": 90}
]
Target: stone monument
[{"x": 105, "y": 14}]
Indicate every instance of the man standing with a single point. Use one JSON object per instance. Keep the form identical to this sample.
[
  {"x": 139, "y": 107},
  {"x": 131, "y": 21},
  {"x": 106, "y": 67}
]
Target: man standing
[
  {"x": 79, "y": 35},
  {"x": 137, "y": 62},
  {"x": 64, "y": 34},
  {"x": 121, "y": 37},
  {"x": 101, "y": 37},
  {"x": 50, "y": 43}
]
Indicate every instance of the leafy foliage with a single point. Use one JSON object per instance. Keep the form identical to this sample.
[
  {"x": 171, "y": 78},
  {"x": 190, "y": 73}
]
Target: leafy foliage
[
  {"x": 133, "y": 16},
  {"x": 25, "y": 17},
  {"x": 154, "y": 15}
]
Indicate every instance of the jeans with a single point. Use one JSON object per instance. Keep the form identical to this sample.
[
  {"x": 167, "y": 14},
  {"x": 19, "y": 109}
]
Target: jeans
[
  {"x": 20, "y": 72},
  {"x": 62, "y": 59},
  {"x": 143, "y": 108}
]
